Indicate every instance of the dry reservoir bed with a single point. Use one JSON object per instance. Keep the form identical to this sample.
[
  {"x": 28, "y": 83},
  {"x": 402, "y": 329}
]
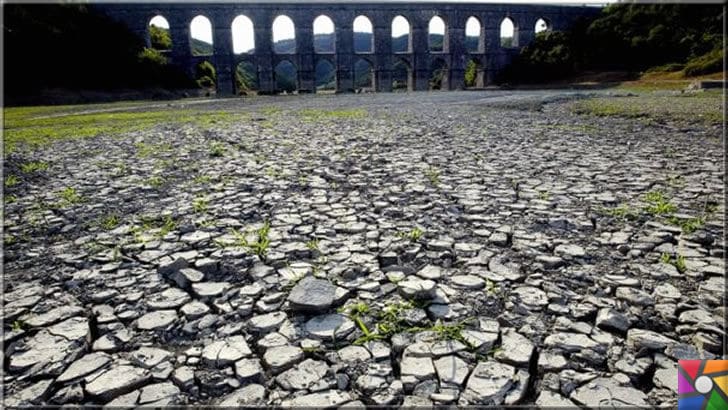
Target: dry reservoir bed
[{"x": 467, "y": 248}]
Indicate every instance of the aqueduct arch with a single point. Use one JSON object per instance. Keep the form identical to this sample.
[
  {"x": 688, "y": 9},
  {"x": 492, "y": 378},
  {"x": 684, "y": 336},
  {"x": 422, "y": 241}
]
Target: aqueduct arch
[{"x": 455, "y": 15}]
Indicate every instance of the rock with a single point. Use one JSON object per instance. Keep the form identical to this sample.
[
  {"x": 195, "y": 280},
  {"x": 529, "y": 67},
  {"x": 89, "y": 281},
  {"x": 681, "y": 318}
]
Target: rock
[
  {"x": 184, "y": 377},
  {"x": 117, "y": 381},
  {"x": 159, "y": 319},
  {"x": 570, "y": 342},
  {"x": 148, "y": 357},
  {"x": 354, "y": 354},
  {"x": 610, "y": 319},
  {"x": 311, "y": 295},
  {"x": 551, "y": 399},
  {"x": 420, "y": 368},
  {"x": 184, "y": 278},
  {"x": 83, "y": 366},
  {"x": 414, "y": 288},
  {"x": 320, "y": 400},
  {"x": 608, "y": 392},
  {"x": 33, "y": 394},
  {"x": 169, "y": 299},
  {"x": 53, "y": 316},
  {"x": 568, "y": 250},
  {"x": 249, "y": 395},
  {"x": 534, "y": 298},
  {"x": 304, "y": 375},
  {"x": 515, "y": 348},
  {"x": 640, "y": 338},
  {"x": 160, "y": 394},
  {"x": 248, "y": 369},
  {"x": 329, "y": 327},
  {"x": 488, "y": 384},
  {"x": 209, "y": 290},
  {"x": 467, "y": 282},
  {"x": 225, "y": 352},
  {"x": 634, "y": 296},
  {"x": 51, "y": 350},
  {"x": 195, "y": 310},
  {"x": 279, "y": 358},
  {"x": 451, "y": 370},
  {"x": 266, "y": 323}
]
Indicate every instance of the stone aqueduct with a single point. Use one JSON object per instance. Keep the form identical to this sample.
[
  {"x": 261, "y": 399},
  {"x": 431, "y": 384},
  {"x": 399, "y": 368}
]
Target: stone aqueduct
[{"x": 490, "y": 56}]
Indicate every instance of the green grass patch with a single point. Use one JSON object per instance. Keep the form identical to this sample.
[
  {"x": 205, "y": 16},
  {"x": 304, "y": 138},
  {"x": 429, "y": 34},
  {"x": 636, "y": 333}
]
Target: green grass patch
[
  {"x": 11, "y": 180},
  {"x": 34, "y": 127},
  {"x": 33, "y": 166},
  {"x": 70, "y": 196},
  {"x": 316, "y": 114}
]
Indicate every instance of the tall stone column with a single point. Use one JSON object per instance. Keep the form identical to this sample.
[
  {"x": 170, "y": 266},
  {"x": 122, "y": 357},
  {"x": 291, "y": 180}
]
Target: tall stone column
[
  {"x": 223, "y": 58},
  {"x": 305, "y": 51},
  {"x": 493, "y": 49},
  {"x": 420, "y": 49},
  {"x": 179, "y": 30},
  {"x": 525, "y": 30},
  {"x": 456, "y": 37},
  {"x": 263, "y": 33},
  {"x": 344, "y": 55},
  {"x": 383, "y": 54}
]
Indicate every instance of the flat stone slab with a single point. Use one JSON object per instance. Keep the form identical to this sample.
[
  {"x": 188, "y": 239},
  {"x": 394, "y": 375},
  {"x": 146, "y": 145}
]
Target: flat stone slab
[
  {"x": 156, "y": 320},
  {"x": 311, "y": 295},
  {"x": 330, "y": 326}
]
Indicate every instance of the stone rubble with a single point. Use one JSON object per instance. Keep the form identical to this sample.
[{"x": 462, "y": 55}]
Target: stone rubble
[{"x": 440, "y": 249}]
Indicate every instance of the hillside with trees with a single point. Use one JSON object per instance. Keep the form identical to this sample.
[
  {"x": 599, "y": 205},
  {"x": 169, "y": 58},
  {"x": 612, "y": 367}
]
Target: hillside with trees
[{"x": 628, "y": 37}]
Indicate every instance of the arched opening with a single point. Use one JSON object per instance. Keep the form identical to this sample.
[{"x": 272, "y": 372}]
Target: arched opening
[
  {"x": 324, "y": 39},
  {"x": 474, "y": 74},
  {"x": 284, "y": 35},
  {"x": 436, "y": 35},
  {"x": 243, "y": 35},
  {"x": 159, "y": 37},
  {"x": 508, "y": 33},
  {"x": 401, "y": 36},
  {"x": 205, "y": 75},
  {"x": 325, "y": 76},
  {"x": 246, "y": 78},
  {"x": 201, "y": 36},
  {"x": 439, "y": 75},
  {"x": 286, "y": 77},
  {"x": 402, "y": 76},
  {"x": 363, "y": 35},
  {"x": 363, "y": 75},
  {"x": 542, "y": 25},
  {"x": 473, "y": 36}
]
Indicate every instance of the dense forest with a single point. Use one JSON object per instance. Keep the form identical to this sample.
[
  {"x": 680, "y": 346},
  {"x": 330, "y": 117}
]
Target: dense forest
[
  {"x": 628, "y": 37},
  {"x": 68, "y": 46}
]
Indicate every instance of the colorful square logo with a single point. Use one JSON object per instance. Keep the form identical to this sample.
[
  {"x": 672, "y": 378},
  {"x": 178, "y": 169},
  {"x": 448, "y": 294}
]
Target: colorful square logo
[{"x": 702, "y": 385}]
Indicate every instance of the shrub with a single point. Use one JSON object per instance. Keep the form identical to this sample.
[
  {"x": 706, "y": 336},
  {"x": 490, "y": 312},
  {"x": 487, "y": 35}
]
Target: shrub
[
  {"x": 708, "y": 63},
  {"x": 160, "y": 38}
]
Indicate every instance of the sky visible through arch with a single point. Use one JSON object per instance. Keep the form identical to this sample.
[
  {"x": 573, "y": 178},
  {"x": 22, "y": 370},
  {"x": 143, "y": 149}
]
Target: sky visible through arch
[{"x": 201, "y": 29}]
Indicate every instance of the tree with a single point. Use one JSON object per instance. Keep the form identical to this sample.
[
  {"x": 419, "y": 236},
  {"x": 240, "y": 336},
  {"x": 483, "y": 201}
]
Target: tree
[
  {"x": 471, "y": 71},
  {"x": 160, "y": 38}
]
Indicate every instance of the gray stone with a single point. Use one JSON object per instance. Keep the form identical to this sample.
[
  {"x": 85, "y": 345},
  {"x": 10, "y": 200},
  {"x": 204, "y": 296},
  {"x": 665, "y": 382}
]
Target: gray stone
[
  {"x": 33, "y": 394},
  {"x": 603, "y": 392},
  {"x": 209, "y": 290},
  {"x": 569, "y": 250},
  {"x": 83, "y": 366},
  {"x": 634, "y": 296},
  {"x": 248, "y": 369},
  {"x": 279, "y": 358},
  {"x": 415, "y": 288},
  {"x": 148, "y": 357},
  {"x": 570, "y": 342},
  {"x": 420, "y": 368},
  {"x": 467, "y": 282},
  {"x": 320, "y": 400},
  {"x": 171, "y": 298},
  {"x": 304, "y": 375},
  {"x": 451, "y": 370},
  {"x": 195, "y": 310},
  {"x": 330, "y": 326},
  {"x": 159, "y": 319},
  {"x": 159, "y": 394},
  {"x": 311, "y": 295},
  {"x": 488, "y": 384},
  {"x": 117, "y": 381},
  {"x": 515, "y": 348},
  {"x": 225, "y": 352},
  {"x": 550, "y": 399},
  {"x": 249, "y": 395},
  {"x": 51, "y": 350},
  {"x": 266, "y": 323},
  {"x": 354, "y": 354},
  {"x": 641, "y": 338},
  {"x": 610, "y": 319},
  {"x": 53, "y": 316}
]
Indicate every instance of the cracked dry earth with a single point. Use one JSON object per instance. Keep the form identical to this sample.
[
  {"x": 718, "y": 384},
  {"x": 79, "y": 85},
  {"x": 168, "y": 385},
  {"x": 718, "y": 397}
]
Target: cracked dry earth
[{"x": 453, "y": 248}]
